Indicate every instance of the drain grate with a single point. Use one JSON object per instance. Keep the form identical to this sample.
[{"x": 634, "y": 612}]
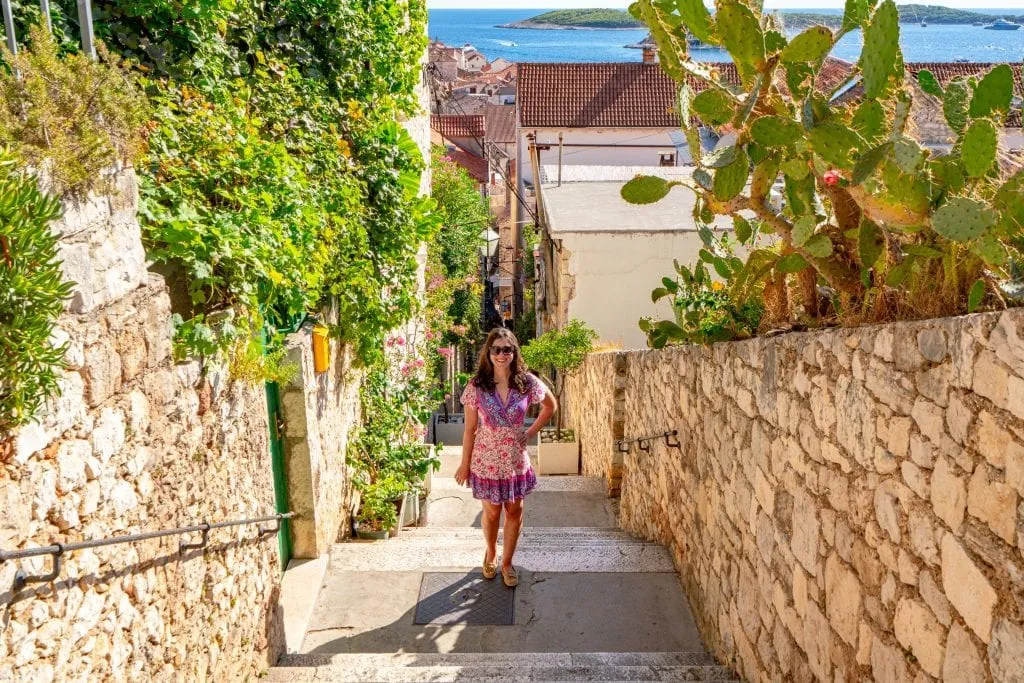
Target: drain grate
[{"x": 459, "y": 598}]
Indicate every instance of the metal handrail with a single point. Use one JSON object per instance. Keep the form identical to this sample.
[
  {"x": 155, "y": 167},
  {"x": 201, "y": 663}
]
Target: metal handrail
[
  {"x": 644, "y": 442},
  {"x": 58, "y": 550}
]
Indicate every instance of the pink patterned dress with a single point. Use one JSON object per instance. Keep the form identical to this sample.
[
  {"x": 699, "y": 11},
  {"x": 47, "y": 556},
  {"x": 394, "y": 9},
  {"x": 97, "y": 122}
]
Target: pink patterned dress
[{"x": 500, "y": 468}]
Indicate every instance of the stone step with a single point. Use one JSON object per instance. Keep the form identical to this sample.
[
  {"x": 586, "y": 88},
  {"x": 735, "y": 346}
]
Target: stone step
[
  {"x": 539, "y": 554},
  {"x": 535, "y": 535},
  {"x": 513, "y": 666},
  {"x": 568, "y": 484}
]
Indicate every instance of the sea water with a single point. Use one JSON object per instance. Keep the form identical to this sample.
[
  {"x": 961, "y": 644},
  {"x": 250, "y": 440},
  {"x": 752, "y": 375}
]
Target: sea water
[{"x": 932, "y": 43}]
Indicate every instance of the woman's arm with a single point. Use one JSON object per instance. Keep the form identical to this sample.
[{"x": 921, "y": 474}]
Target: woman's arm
[
  {"x": 468, "y": 436},
  {"x": 548, "y": 406}
]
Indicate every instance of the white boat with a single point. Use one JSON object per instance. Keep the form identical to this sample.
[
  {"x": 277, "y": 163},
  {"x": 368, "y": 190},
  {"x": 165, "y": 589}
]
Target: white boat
[{"x": 1002, "y": 25}]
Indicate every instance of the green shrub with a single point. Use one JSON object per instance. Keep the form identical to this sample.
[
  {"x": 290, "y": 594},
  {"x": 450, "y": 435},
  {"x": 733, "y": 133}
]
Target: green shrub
[
  {"x": 68, "y": 116},
  {"x": 562, "y": 351},
  {"x": 32, "y": 294}
]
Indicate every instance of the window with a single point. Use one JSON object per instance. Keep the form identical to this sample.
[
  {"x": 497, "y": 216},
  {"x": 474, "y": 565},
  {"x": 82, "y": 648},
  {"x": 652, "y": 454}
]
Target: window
[{"x": 667, "y": 159}]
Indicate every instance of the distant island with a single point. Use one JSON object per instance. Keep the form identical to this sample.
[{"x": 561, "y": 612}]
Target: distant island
[{"x": 612, "y": 19}]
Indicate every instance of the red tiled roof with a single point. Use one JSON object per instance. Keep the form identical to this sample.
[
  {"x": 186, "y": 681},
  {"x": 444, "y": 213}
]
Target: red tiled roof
[
  {"x": 476, "y": 166},
  {"x": 500, "y": 122},
  {"x": 451, "y": 126},
  {"x": 623, "y": 95}
]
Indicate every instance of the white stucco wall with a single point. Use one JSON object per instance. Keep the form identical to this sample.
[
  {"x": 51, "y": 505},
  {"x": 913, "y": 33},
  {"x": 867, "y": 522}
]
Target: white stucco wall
[{"x": 614, "y": 275}]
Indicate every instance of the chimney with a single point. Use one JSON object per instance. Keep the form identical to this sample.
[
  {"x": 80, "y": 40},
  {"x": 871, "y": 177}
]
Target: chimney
[{"x": 650, "y": 54}]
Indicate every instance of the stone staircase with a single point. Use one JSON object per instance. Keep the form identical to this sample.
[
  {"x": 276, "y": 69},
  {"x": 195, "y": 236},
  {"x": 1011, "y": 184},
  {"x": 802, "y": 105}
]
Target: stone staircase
[{"x": 593, "y": 602}]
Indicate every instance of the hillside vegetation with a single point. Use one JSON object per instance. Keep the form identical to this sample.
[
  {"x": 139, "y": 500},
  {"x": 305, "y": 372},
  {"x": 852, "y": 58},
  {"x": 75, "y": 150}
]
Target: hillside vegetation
[{"x": 611, "y": 18}]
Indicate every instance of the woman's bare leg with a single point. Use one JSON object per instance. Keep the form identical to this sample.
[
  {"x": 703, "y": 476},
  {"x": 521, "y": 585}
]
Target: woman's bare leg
[
  {"x": 513, "y": 523},
  {"x": 490, "y": 520}
]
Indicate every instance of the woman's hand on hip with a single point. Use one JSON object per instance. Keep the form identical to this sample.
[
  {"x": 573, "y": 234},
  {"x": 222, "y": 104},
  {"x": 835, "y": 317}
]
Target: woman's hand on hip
[
  {"x": 523, "y": 438},
  {"x": 462, "y": 474}
]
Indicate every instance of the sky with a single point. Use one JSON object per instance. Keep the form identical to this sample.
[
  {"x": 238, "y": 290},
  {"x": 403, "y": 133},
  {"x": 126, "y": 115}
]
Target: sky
[{"x": 771, "y": 4}]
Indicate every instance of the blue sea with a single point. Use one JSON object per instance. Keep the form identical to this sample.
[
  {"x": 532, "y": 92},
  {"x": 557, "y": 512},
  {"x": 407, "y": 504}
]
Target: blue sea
[{"x": 934, "y": 43}]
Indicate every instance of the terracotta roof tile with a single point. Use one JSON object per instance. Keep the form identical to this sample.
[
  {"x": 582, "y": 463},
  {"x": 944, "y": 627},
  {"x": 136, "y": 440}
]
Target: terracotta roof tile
[
  {"x": 452, "y": 126},
  {"x": 476, "y": 166},
  {"x": 500, "y": 123},
  {"x": 618, "y": 95}
]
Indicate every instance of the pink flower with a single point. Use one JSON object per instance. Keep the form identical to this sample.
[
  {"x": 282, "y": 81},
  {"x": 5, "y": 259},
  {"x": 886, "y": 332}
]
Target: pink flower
[
  {"x": 460, "y": 329},
  {"x": 470, "y": 279},
  {"x": 435, "y": 282},
  {"x": 419, "y": 363},
  {"x": 832, "y": 178},
  {"x": 431, "y": 336},
  {"x": 445, "y": 351},
  {"x": 447, "y": 397},
  {"x": 400, "y": 341},
  {"x": 446, "y": 158}
]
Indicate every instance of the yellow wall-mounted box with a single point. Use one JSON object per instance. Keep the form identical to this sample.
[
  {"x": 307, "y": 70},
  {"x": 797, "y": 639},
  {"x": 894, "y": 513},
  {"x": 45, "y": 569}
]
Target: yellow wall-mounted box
[{"x": 321, "y": 349}]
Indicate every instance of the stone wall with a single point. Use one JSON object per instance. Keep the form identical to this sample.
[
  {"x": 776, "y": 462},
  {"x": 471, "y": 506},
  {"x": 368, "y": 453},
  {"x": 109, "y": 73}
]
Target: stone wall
[
  {"x": 136, "y": 443},
  {"x": 592, "y": 399},
  {"x": 845, "y": 504},
  {"x": 320, "y": 410}
]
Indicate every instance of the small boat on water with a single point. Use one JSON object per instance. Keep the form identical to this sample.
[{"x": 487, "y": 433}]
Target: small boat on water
[{"x": 1002, "y": 25}]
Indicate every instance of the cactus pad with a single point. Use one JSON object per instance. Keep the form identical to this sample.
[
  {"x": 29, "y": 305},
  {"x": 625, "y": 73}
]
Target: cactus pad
[
  {"x": 803, "y": 228},
  {"x": 645, "y": 189},
  {"x": 741, "y": 35},
  {"x": 870, "y": 120},
  {"x": 993, "y": 93},
  {"x": 791, "y": 263},
  {"x": 878, "y": 58},
  {"x": 730, "y": 180},
  {"x": 819, "y": 246},
  {"x": 868, "y": 162},
  {"x": 713, "y": 106},
  {"x": 978, "y": 148},
  {"x": 961, "y": 219},
  {"x": 926, "y": 79},
  {"x": 870, "y": 242},
  {"x": 855, "y": 14},
  {"x": 697, "y": 19},
  {"x": 723, "y": 156},
  {"x": 835, "y": 144},
  {"x": 809, "y": 46},
  {"x": 797, "y": 169},
  {"x": 775, "y": 131},
  {"x": 907, "y": 154},
  {"x": 954, "y": 104}
]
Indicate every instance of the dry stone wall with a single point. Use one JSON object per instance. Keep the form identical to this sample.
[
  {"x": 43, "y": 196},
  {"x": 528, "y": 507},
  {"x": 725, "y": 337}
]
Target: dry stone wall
[
  {"x": 846, "y": 504},
  {"x": 136, "y": 443}
]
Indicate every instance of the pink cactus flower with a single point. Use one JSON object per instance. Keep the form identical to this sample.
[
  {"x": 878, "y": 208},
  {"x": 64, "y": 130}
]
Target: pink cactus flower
[{"x": 832, "y": 178}]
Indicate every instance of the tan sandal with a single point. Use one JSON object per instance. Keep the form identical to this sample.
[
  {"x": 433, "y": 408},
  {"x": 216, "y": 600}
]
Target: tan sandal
[
  {"x": 489, "y": 569},
  {"x": 509, "y": 576}
]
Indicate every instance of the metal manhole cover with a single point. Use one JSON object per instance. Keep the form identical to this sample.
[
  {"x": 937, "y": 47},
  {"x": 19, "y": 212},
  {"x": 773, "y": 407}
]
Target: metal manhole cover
[{"x": 460, "y": 598}]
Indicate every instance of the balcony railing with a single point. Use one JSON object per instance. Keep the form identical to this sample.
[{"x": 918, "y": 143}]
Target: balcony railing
[{"x": 84, "y": 23}]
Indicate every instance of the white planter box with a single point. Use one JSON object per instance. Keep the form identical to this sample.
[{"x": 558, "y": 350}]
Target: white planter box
[
  {"x": 558, "y": 458},
  {"x": 449, "y": 433}
]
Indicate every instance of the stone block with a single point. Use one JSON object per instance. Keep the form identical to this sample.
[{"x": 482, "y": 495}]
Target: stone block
[
  {"x": 934, "y": 384},
  {"x": 934, "y": 597},
  {"x": 967, "y": 588},
  {"x": 15, "y": 524},
  {"x": 918, "y": 631},
  {"x": 916, "y": 479},
  {"x": 1006, "y": 652},
  {"x": 949, "y": 494},
  {"x": 991, "y": 378},
  {"x": 806, "y": 532},
  {"x": 932, "y": 345},
  {"x": 887, "y": 510},
  {"x": 994, "y": 503},
  {"x": 890, "y": 387},
  {"x": 1015, "y": 397},
  {"x": 930, "y": 419},
  {"x": 922, "y": 536},
  {"x": 817, "y": 637},
  {"x": 1007, "y": 339},
  {"x": 71, "y": 459},
  {"x": 108, "y": 436},
  {"x": 958, "y": 418},
  {"x": 842, "y": 599},
  {"x": 102, "y": 372},
  {"x": 962, "y": 663},
  {"x": 888, "y": 664}
]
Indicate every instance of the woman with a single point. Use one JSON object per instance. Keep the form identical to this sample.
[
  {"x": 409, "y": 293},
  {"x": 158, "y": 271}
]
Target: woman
[{"x": 494, "y": 458}]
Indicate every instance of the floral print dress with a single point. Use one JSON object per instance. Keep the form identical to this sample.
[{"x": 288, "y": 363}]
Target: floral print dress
[{"x": 500, "y": 468}]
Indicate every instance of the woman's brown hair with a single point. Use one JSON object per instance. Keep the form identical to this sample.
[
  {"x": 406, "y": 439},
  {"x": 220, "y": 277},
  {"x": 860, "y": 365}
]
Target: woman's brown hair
[{"x": 484, "y": 378}]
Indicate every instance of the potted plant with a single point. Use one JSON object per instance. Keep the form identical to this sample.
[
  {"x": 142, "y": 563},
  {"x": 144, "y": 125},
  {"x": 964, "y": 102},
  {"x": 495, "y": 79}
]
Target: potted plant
[
  {"x": 559, "y": 352},
  {"x": 377, "y": 515}
]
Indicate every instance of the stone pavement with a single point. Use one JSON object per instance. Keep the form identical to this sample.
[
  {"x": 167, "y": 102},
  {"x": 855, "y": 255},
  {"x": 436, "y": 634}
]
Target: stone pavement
[{"x": 593, "y": 603}]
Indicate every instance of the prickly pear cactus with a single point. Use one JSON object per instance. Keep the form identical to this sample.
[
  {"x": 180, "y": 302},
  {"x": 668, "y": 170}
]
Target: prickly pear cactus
[{"x": 841, "y": 195}]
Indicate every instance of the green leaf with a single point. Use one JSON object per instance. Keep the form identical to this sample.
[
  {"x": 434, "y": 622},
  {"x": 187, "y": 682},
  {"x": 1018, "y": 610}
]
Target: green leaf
[
  {"x": 658, "y": 294},
  {"x": 809, "y": 46},
  {"x": 994, "y": 92},
  {"x": 713, "y": 106},
  {"x": 773, "y": 42},
  {"x": 926, "y": 79},
  {"x": 803, "y": 228},
  {"x": 775, "y": 131},
  {"x": 898, "y": 275},
  {"x": 645, "y": 190},
  {"x": 976, "y": 295},
  {"x": 870, "y": 243},
  {"x": 962, "y": 219},
  {"x": 978, "y": 149},
  {"x": 741, "y": 226},
  {"x": 922, "y": 251},
  {"x": 868, "y": 162},
  {"x": 797, "y": 169},
  {"x": 819, "y": 246},
  {"x": 791, "y": 263},
  {"x": 730, "y": 180},
  {"x": 954, "y": 104},
  {"x": 879, "y": 56},
  {"x": 740, "y": 31},
  {"x": 835, "y": 143}
]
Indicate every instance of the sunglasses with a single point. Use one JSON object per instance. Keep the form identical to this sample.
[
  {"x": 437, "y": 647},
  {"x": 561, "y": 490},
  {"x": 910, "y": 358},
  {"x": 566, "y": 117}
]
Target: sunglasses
[{"x": 502, "y": 350}]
